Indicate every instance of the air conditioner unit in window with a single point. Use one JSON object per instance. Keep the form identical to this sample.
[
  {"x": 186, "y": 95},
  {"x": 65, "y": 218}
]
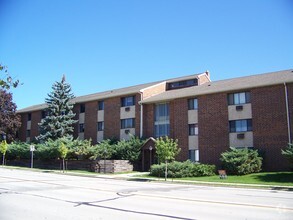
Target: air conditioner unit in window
[
  {"x": 241, "y": 136},
  {"x": 127, "y": 109},
  {"x": 127, "y": 131},
  {"x": 239, "y": 107}
]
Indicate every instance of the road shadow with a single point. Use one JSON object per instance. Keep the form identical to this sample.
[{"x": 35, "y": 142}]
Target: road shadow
[{"x": 139, "y": 180}]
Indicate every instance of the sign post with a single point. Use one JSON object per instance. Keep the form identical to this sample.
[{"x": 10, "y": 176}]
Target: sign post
[{"x": 32, "y": 149}]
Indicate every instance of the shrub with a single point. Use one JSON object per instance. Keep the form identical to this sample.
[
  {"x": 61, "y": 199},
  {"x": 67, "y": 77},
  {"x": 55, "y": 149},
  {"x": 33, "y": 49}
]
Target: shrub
[
  {"x": 183, "y": 169},
  {"x": 241, "y": 161},
  {"x": 288, "y": 153},
  {"x": 128, "y": 150},
  {"x": 18, "y": 150}
]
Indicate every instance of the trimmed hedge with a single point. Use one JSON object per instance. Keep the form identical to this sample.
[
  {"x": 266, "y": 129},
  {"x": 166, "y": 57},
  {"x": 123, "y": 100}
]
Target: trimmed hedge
[{"x": 183, "y": 169}]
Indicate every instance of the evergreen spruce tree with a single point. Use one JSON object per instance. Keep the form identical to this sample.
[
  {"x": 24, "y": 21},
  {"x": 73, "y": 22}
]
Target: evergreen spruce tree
[{"x": 59, "y": 115}]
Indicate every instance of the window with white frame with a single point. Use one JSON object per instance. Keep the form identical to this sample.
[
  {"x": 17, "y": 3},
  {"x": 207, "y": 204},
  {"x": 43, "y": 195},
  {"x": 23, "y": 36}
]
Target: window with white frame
[
  {"x": 240, "y": 125},
  {"x": 162, "y": 120},
  {"x": 193, "y": 129},
  {"x": 127, "y": 123},
  {"x": 239, "y": 98},
  {"x": 128, "y": 101},
  {"x": 100, "y": 126},
  {"x": 194, "y": 155},
  {"x": 192, "y": 104}
]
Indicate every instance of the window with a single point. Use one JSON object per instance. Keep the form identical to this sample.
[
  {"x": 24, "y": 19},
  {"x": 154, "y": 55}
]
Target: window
[
  {"x": 28, "y": 133},
  {"x": 192, "y": 104},
  {"x": 29, "y": 116},
  {"x": 100, "y": 126},
  {"x": 100, "y": 105},
  {"x": 127, "y": 123},
  {"x": 44, "y": 114},
  {"x": 193, "y": 129},
  {"x": 162, "y": 122},
  {"x": 128, "y": 101},
  {"x": 182, "y": 84},
  {"x": 193, "y": 155},
  {"x": 241, "y": 125},
  {"x": 239, "y": 98},
  {"x": 82, "y": 108},
  {"x": 81, "y": 128}
]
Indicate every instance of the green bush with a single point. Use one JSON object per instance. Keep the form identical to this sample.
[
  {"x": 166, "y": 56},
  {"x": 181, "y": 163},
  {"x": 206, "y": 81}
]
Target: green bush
[
  {"x": 288, "y": 153},
  {"x": 128, "y": 150},
  {"x": 241, "y": 161},
  {"x": 183, "y": 169},
  {"x": 18, "y": 150}
]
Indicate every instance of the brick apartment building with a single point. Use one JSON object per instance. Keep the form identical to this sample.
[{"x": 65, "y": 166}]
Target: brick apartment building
[{"x": 206, "y": 117}]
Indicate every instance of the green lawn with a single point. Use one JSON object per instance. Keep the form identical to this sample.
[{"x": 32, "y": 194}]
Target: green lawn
[{"x": 270, "y": 178}]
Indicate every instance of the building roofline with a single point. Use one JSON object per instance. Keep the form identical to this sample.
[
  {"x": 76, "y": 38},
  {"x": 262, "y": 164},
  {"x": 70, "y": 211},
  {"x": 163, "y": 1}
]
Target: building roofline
[
  {"x": 227, "y": 85},
  {"x": 110, "y": 93}
]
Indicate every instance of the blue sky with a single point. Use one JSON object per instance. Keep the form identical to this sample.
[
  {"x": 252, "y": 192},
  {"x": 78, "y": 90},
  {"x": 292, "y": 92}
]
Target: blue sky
[{"x": 106, "y": 44}]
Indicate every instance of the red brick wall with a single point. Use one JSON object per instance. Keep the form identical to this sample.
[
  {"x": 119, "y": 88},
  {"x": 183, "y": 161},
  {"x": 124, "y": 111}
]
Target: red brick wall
[
  {"x": 269, "y": 124},
  {"x": 179, "y": 126},
  {"x": 36, "y": 118},
  {"x": 22, "y": 129},
  {"x": 148, "y": 120},
  {"x": 90, "y": 121},
  {"x": 290, "y": 99},
  {"x": 112, "y": 117},
  {"x": 213, "y": 127},
  {"x": 76, "y": 117}
]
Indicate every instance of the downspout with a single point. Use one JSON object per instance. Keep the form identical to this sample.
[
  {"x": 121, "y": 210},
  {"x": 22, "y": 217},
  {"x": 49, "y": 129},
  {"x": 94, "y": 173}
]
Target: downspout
[
  {"x": 287, "y": 112},
  {"x": 141, "y": 115}
]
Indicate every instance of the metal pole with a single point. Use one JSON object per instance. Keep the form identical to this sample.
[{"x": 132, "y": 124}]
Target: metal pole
[
  {"x": 32, "y": 160},
  {"x": 287, "y": 113}
]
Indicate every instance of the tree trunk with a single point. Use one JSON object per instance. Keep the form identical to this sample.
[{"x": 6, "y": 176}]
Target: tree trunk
[
  {"x": 63, "y": 164},
  {"x": 3, "y": 159}
]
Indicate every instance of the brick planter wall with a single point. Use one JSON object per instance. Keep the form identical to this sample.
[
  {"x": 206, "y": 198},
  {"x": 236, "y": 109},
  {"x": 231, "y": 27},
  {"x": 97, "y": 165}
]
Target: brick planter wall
[{"x": 112, "y": 166}]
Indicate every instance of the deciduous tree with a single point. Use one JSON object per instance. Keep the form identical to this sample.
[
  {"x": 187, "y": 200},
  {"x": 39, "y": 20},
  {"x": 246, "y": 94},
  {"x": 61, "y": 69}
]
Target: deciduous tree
[
  {"x": 9, "y": 120},
  {"x": 6, "y": 80},
  {"x": 166, "y": 150}
]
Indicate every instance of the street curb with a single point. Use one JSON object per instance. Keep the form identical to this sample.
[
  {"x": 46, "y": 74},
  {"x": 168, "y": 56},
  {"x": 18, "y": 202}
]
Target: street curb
[{"x": 136, "y": 177}]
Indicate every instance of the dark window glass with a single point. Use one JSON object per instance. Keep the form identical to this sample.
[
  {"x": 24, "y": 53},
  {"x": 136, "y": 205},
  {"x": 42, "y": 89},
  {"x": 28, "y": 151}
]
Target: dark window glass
[
  {"x": 100, "y": 126},
  {"x": 28, "y": 133},
  {"x": 44, "y": 114},
  {"x": 182, "y": 84},
  {"x": 128, "y": 101},
  {"x": 127, "y": 123},
  {"x": 193, "y": 129},
  {"x": 100, "y": 105},
  {"x": 29, "y": 116},
  {"x": 192, "y": 104},
  {"x": 82, "y": 108},
  {"x": 241, "y": 125},
  {"x": 239, "y": 98},
  {"x": 81, "y": 128}
]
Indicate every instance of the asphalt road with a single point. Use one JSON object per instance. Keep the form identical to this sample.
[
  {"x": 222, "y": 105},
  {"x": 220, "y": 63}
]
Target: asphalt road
[{"x": 35, "y": 196}]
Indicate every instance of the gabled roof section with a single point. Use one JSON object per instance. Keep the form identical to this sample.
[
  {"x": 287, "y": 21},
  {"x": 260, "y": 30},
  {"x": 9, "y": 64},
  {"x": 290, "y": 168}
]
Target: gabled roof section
[{"x": 241, "y": 83}]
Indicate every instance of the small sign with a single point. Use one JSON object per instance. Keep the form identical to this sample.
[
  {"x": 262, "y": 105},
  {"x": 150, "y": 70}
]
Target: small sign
[{"x": 32, "y": 148}]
